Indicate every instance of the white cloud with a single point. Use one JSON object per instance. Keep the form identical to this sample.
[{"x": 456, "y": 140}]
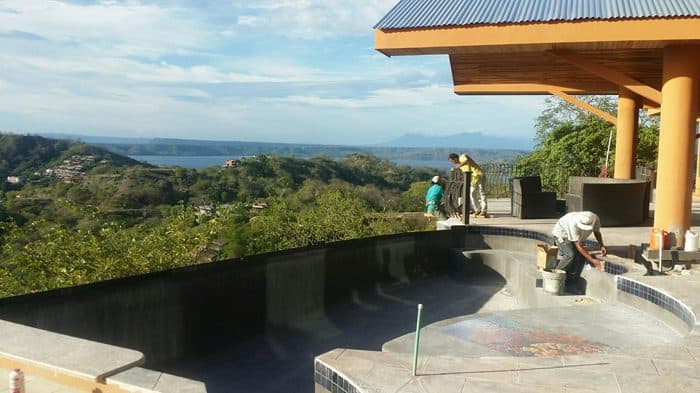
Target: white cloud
[
  {"x": 422, "y": 96},
  {"x": 316, "y": 19},
  {"x": 143, "y": 29},
  {"x": 125, "y": 111},
  {"x": 130, "y": 70},
  {"x": 248, "y": 20},
  {"x": 207, "y": 69}
]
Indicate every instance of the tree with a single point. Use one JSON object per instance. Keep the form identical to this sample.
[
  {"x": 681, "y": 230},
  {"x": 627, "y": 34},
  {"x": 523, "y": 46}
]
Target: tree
[
  {"x": 413, "y": 199},
  {"x": 573, "y": 142},
  {"x": 41, "y": 256},
  {"x": 335, "y": 215},
  {"x": 558, "y": 113}
]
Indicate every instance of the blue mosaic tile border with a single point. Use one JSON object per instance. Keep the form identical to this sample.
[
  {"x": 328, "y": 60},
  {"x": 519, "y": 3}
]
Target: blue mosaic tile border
[
  {"x": 615, "y": 269},
  {"x": 331, "y": 380},
  {"x": 610, "y": 268},
  {"x": 503, "y": 231},
  {"x": 657, "y": 297},
  {"x": 624, "y": 284}
]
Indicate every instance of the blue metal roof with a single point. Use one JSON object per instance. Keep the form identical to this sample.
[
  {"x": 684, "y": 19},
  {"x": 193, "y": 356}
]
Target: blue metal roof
[{"x": 441, "y": 13}]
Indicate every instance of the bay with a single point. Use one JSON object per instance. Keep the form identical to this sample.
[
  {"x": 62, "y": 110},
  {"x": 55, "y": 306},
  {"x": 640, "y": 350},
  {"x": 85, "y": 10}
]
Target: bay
[
  {"x": 193, "y": 162},
  {"x": 199, "y": 162}
]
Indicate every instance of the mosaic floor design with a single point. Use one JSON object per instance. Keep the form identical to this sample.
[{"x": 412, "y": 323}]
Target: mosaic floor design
[{"x": 517, "y": 339}]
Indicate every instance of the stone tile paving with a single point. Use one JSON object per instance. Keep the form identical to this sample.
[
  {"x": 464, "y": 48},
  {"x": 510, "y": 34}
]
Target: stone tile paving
[
  {"x": 514, "y": 338},
  {"x": 583, "y": 373},
  {"x": 579, "y": 329},
  {"x": 648, "y": 357}
]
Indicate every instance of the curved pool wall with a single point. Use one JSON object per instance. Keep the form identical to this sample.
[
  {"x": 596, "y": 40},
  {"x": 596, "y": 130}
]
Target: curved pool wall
[
  {"x": 178, "y": 313},
  {"x": 172, "y": 314}
]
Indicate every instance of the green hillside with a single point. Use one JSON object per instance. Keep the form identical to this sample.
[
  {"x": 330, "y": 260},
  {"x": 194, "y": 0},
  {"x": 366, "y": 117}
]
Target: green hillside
[
  {"x": 25, "y": 155},
  {"x": 83, "y": 214}
]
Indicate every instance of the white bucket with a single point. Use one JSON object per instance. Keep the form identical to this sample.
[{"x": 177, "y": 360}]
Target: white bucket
[
  {"x": 691, "y": 241},
  {"x": 553, "y": 281}
]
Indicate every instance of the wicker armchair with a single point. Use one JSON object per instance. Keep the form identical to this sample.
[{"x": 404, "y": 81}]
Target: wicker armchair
[{"x": 529, "y": 201}]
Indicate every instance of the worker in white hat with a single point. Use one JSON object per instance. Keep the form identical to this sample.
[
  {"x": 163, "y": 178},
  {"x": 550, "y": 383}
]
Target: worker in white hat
[
  {"x": 569, "y": 233},
  {"x": 433, "y": 198}
]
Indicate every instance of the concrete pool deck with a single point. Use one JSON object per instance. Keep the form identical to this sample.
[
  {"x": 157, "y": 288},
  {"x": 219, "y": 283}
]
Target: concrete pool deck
[{"x": 586, "y": 345}]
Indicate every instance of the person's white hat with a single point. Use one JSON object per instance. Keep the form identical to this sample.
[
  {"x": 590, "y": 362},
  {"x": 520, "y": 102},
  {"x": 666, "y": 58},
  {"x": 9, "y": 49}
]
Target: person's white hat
[
  {"x": 586, "y": 221},
  {"x": 435, "y": 179}
]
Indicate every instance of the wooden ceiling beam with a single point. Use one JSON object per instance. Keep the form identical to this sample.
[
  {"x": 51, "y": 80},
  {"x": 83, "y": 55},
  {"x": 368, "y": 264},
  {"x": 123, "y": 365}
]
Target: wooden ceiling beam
[
  {"x": 656, "y": 111},
  {"x": 586, "y": 106},
  {"x": 614, "y": 76}
]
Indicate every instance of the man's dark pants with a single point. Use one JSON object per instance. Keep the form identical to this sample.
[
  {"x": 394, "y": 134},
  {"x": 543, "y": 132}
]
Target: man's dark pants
[{"x": 571, "y": 261}]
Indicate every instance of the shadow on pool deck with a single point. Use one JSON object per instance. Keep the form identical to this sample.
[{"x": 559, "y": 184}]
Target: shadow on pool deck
[{"x": 282, "y": 359}]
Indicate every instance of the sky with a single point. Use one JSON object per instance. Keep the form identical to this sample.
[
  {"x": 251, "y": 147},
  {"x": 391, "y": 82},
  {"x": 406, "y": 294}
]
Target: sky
[{"x": 299, "y": 71}]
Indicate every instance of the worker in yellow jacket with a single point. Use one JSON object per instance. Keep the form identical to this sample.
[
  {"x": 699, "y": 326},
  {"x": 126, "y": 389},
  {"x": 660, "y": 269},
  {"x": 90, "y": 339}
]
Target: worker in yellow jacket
[{"x": 477, "y": 193}]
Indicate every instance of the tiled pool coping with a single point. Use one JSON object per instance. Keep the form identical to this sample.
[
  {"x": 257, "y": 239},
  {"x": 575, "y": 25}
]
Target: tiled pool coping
[
  {"x": 657, "y": 297},
  {"x": 331, "y": 380}
]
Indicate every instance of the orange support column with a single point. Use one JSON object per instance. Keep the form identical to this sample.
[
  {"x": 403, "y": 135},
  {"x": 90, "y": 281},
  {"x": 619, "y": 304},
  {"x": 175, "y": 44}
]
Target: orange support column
[
  {"x": 627, "y": 130},
  {"x": 679, "y": 108}
]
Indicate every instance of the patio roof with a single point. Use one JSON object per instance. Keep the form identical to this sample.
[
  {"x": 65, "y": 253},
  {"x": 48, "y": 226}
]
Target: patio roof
[
  {"x": 443, "y": 13},
  {"x": 644, "y": 51},
  {"x": 540, "y": 47}
]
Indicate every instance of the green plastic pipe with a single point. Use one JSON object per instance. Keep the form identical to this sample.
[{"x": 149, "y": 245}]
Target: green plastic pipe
[{"x": 415, "y": 344}]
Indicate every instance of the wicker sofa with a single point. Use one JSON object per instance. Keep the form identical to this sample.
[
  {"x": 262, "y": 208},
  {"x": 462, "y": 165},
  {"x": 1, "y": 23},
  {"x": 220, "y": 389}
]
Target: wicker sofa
[
  {"x": 529, "y": 201},
  {"x": 617, "y": 202}
]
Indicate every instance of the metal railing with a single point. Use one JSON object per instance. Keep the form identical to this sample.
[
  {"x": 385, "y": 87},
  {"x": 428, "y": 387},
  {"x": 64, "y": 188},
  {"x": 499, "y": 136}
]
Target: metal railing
[
  {"x": 497, "y": 177},
  {"x": 645, "y": 173},
  {"x": 457, "y": 202}
]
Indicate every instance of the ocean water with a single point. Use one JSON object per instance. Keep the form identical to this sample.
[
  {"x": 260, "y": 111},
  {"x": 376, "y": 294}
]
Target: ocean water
[
  {"x": 194, "y": 162},
  {"x": 441, "y": 165},
  {"x": 199, "y": 162}
]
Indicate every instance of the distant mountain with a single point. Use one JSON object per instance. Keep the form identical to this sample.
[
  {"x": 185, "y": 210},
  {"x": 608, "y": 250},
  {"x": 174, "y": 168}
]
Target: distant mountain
[
  {"x": 98, "y": 139},
  {"x": 465, "y": 140},
  {"x": 409, "y": 148}
]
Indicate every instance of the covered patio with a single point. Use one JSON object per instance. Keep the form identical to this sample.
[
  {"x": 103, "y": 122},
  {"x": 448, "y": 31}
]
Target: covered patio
[{"x": 645, "y": 52}]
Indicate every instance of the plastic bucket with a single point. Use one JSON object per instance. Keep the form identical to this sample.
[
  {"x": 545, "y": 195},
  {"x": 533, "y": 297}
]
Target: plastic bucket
[
  {"x": 654, "y": 239},
  {"x": 553, "y": 281},
  {"x": 691, "y": 241}
]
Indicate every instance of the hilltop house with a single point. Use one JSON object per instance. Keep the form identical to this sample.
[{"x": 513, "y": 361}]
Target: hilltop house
[{"x": 232, "y": 163}]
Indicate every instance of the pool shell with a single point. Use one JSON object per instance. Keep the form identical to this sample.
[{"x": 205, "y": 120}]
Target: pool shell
[
  {"x": 507, "y": 254},
  {"x": 191, "y": 313}
]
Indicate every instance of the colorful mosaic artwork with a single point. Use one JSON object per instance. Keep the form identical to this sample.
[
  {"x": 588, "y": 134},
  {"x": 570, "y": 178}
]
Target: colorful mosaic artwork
[{"x": 514, "y": 338}]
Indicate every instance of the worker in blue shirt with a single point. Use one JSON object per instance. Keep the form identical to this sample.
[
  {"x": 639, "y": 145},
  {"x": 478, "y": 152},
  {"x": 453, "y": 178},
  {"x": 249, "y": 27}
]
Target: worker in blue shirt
[{"x": 433, "y": 198}]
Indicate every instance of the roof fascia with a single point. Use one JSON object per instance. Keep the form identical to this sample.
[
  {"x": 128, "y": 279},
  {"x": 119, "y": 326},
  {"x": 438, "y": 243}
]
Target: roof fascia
[{"x": 609, "y": 34}]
